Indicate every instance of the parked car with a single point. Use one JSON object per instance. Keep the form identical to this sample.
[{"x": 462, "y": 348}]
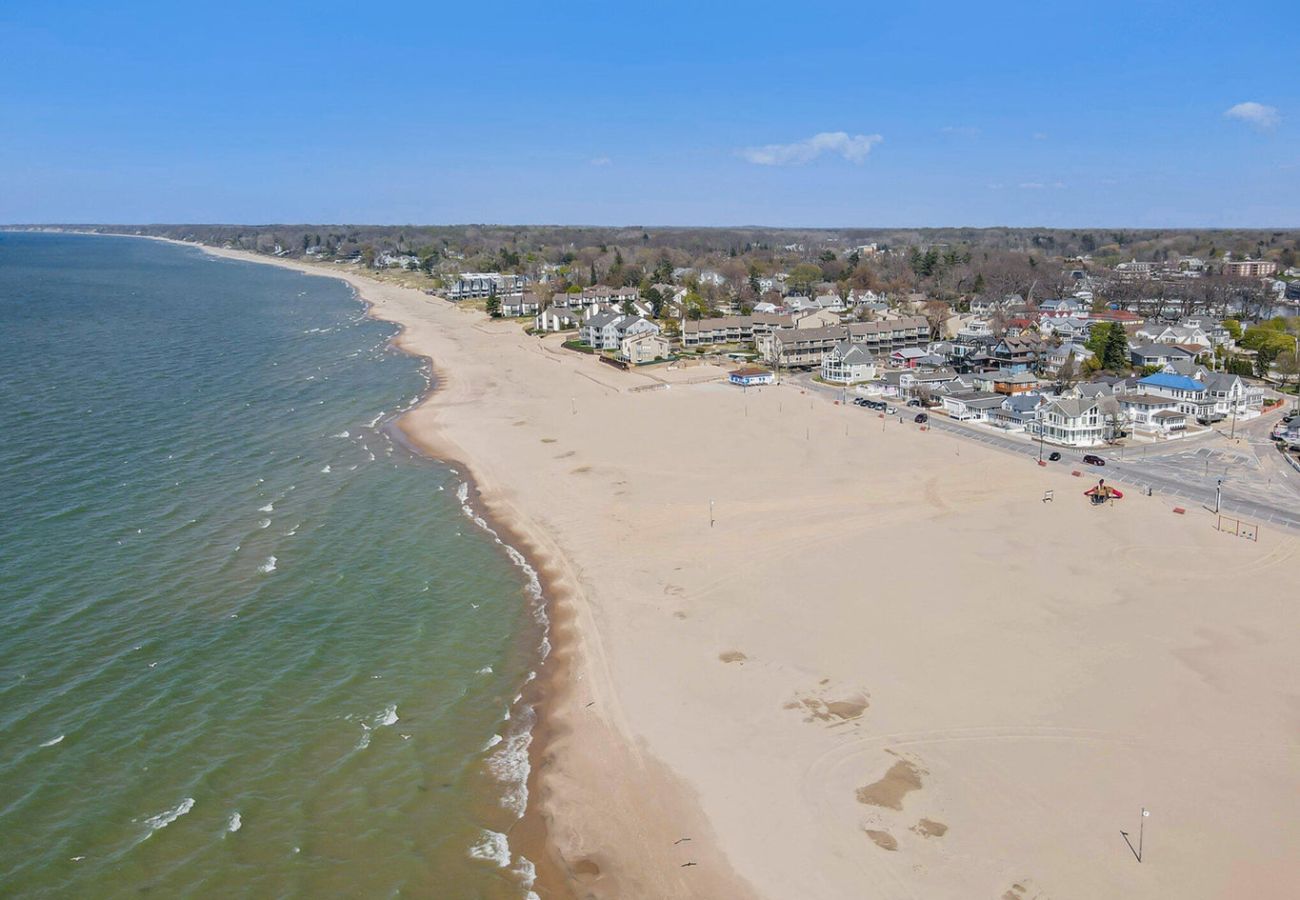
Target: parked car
[
  {"x": 913, "y": 402},
  {"x": 1093, "y": 460},
  {"x": 890, "y": 410},
  {"x": 1054, "y": 455},
  {"x": 921, "y": 418},
  {"x": 859, "y": 401}
]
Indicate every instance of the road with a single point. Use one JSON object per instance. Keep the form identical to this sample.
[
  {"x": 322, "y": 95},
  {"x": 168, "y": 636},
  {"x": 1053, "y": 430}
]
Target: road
[{"x": 1258, "y": 484}]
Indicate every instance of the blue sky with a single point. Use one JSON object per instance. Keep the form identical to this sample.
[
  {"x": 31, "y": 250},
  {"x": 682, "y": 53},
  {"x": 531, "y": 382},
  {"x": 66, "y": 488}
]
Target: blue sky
[{"x": 815, "y": 114}]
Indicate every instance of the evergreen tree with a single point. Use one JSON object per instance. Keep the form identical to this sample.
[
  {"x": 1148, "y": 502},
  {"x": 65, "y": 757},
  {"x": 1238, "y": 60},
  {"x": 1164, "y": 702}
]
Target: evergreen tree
[{"x": 1115, "y": 356}]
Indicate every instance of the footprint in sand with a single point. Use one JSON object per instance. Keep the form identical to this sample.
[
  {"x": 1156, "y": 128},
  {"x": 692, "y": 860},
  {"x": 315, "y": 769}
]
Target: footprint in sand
[
  {"x": 835, "y": 711},
  {"x": 581, "y": 470},
  {"x": 902, "y": 778},
  {"x": 732, "y": 656},
  {"x": 883, "y": 839},
  {"x": 929, "y": 828}
]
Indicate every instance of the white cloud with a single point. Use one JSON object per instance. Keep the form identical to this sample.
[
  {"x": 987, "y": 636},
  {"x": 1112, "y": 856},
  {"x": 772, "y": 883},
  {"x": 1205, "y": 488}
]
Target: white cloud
[
  {"x": 1040, "y": 185},
  {"x": 1040, "y": 135},
  {"x": 601, "y": 161},
  {"x": 963, "y": 130},
  {"x": 855, "y": 148},
  {"x": 1256, "y": 115}
]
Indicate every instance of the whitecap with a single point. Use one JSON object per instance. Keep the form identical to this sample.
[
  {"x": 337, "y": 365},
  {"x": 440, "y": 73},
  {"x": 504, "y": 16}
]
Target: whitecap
[
  {"x": 387, "y": 717},
  {"x": 292, "y": 531},
  {"x": 493, "y": 847},
  {"x": 267, "y": 567},
  {"x": 510, "y": 765},
  {"x": 492, "y": 742},
  {"x": 52, "y": 741},
  {"x": 342, "y": 434},
  {"x": 365, "y": 737},
  {"x": 270, "y": 507},
  {"x": 325, "y": 471},
  {"x": 265, "y": 523},
  {"x": 486, "y": 670},
  {"x": 166, "y": 817},
  {"x": 75, "y": 858},
  {"x": 236, "y": 822}
]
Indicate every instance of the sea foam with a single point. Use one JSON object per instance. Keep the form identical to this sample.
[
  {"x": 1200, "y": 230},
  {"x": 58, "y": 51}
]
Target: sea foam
[
  {"x": 493, "y": 846},
  {"x": 236, "y": 822},
  {"x": 267, "y": 567},
  {"x": 166, "y": 817}
]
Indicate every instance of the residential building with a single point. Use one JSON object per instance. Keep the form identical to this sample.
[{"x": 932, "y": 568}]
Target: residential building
[
  {"x": 719, "y": 330},
  {"x": 891, "y": 334},
  {"x": 1158, "y": 354},
  {"x": 1153, "y": 415},
  {"x": 515, "y": 305},
  {"x": 1249, "y": 268},
  {"x": 481, "y": 285},
  {"x": 1020, "y": 353},
  {"x": 800, "y": 346},
  {"x": 606, "y": 330},
  {"x": 1010, "y": 383},
  {"x": 1192, "y": 395},
  {"x": 971, "y": 406},
  {"x": 554, "y": 319},
  {"x": 644, "y": 347},
  {"x": 848, "y": 363},
  {"x": 1073, "y": 422}
]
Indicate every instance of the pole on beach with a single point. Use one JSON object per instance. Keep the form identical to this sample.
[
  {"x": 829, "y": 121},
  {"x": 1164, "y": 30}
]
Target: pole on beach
[
  {"x": 1218, "y": 496},
  {"x": 710, "y": 512},
  {"x": 573, "y": 403},
  {"x": 1137, "y": 851}
]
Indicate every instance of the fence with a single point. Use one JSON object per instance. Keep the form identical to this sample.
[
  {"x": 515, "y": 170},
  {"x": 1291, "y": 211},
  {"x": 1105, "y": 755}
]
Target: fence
[{"x": 1238, "y": 528}]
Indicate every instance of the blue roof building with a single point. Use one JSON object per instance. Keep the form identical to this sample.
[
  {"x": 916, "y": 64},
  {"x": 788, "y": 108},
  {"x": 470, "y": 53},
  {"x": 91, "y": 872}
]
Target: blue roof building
[{"x": 1172, "y": 383}]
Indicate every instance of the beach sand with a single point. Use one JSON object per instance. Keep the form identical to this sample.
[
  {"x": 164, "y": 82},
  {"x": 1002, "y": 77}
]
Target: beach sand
[{"x": 820, "y": 654}]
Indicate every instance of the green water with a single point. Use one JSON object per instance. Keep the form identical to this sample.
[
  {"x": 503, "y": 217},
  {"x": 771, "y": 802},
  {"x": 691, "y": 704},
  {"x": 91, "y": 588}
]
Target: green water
[{"x": 249, "y": 645}]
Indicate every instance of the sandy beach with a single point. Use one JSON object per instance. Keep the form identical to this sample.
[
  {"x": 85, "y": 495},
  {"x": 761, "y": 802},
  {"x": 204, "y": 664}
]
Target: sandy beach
[{"x": 806, "y": 652}]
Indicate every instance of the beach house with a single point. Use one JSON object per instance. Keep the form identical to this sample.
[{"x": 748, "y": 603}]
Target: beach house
[
  {"x": 848, "y": 363},
  {"x": 1072, "y": 422},
  {"x": 643, "y": 347}
]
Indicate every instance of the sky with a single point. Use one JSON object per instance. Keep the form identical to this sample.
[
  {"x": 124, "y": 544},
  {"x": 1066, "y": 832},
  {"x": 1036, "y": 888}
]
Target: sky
[{"x": 1135, "y": 114}]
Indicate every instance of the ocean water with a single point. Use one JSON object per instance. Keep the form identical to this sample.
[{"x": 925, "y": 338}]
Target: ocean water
[{"x": 249, "y": 645}]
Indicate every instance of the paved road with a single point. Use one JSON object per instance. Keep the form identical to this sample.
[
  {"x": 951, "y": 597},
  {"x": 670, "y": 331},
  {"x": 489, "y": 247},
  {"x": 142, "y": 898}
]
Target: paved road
[{"x": 1258, "y": 485}]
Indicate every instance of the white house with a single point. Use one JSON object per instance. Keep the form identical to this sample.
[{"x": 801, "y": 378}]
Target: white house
[
  {"x": 1153, "y": 415},
  {"x": 1073, "y": 422},
  {"x": 977, "y": 406},
  {"x": 848, "y": 363},
  {"x": 554, "y": 319}
]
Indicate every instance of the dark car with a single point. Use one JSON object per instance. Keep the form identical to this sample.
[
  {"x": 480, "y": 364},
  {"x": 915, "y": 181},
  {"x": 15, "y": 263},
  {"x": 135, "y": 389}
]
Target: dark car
[
  {"x": 1094, "y": 460},
  {"x": 921, "y": 418},
  {"x": 1054, "y": 455},
  {"x": 913, "y": 402}
]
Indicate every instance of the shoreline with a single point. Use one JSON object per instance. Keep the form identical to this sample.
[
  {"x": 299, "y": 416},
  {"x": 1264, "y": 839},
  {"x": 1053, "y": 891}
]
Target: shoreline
[
  {"x": 564, "y": 865},
  {"x": 529, "y": 835}
]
